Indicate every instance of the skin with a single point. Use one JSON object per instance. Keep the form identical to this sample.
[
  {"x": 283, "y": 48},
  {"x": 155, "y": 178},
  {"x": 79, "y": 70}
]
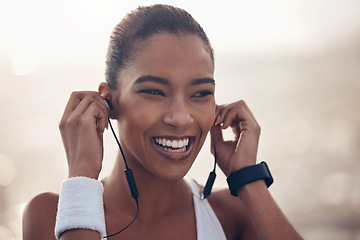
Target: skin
[{"x": 177, "y": 102}]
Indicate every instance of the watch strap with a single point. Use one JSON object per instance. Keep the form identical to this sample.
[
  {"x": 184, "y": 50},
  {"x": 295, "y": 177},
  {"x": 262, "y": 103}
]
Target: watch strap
[{"x": 249, "y": 174}]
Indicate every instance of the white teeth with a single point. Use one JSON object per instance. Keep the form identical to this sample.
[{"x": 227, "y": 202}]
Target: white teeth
[
  {"x": 179, "y": 144},
  {"x": 176, "y": 150}
]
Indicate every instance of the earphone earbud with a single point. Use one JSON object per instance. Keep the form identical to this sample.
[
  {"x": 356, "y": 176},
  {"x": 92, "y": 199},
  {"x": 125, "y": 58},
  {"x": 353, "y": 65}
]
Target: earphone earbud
[{"x": 109, "y": 103}]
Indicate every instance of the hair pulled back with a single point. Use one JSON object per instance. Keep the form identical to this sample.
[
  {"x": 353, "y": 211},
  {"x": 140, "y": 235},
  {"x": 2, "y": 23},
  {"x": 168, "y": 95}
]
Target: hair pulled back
[{"x": 141, "y": 24}]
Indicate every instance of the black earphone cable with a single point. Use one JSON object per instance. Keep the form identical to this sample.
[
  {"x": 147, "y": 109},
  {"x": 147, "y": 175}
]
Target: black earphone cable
[
  {"x": 133, "y": 189},
  {"x": 131, "y": 182},
  {"x": 118, "y": 143},
  {"x": 137, "y": 213},
  {"x": 211, "y": 179}
]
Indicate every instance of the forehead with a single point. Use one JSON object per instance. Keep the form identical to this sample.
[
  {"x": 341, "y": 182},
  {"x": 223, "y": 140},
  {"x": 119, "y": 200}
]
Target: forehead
[{"x": 171, "y": 56}]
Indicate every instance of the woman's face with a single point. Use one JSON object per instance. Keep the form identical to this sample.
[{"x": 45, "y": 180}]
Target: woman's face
[{"x": 166, "y": 104}]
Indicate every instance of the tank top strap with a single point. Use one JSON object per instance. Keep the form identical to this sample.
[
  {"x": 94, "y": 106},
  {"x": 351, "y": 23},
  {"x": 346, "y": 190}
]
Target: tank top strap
[
  {"x": 208, "y": 226},
  {"x": 194, "y": 187}
]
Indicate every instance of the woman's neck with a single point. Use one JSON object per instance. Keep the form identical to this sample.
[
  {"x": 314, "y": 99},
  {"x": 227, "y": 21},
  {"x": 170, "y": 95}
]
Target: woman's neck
[{"x": 157, "y": 196}]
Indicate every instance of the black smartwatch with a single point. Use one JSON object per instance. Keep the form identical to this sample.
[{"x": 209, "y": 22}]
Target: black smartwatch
[{"x": 247, "y": 175}]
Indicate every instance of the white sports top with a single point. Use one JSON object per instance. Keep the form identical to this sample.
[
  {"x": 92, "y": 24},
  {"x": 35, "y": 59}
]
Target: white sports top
[{"x": 208, "y": 226}]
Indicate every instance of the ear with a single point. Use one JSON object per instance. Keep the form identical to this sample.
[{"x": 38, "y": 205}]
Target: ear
[{"x": 105, "y": 92}]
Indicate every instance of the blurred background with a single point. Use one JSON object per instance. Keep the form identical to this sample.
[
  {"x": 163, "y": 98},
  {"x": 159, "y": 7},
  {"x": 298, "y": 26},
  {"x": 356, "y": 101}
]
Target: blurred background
[{"x": 296, "y": 63}]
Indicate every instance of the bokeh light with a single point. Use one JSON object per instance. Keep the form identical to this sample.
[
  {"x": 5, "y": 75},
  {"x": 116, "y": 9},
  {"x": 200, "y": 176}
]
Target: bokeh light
[{"x": 7, "y": 170}]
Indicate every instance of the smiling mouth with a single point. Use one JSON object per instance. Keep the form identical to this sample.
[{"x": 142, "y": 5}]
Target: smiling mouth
[{"x": 173, "y": 148}]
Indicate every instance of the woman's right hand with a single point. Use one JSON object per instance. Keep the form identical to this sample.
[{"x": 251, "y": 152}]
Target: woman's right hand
[{"x": 82, "y": 126}]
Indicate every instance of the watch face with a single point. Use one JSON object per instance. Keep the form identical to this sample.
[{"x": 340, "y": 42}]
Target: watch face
[
  {"x": 269, "y": 179},
  {"x": 249, "y": 174}
]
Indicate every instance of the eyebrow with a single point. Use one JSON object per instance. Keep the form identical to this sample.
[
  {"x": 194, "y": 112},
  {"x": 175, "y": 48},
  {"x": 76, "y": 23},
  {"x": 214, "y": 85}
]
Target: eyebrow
[
  {"x": 202, "y": 81},
  {"x": 164, "y": 81},
  {"x": 150, "y": 78}
]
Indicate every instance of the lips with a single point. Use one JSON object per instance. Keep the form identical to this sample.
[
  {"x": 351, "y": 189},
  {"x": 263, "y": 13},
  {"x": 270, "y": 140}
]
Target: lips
[{"x": 173, "y": 148}]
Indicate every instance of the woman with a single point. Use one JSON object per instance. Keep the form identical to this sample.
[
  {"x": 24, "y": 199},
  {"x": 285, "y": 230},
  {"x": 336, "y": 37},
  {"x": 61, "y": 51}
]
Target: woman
[{"x": 160, "y": 86}]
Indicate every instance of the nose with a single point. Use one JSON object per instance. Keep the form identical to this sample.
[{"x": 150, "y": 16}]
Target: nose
[{"x": 178, "y": 114}]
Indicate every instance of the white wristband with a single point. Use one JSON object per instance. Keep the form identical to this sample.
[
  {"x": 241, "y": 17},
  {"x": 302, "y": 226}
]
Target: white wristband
[{"x": 80, "y": 206}]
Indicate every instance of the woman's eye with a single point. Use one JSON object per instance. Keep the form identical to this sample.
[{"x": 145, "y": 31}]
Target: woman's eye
[
  {"x": 202, "y": 94},
  {"x": 153, "y": 92}
]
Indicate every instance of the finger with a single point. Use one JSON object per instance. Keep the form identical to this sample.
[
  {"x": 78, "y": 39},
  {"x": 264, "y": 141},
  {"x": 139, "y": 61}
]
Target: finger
[
  {"x": 101, "y": 102},
  {"x": 243, "y": 103},
  {"x": 234, "y": 119},
  {"x": 74, "y": 100},
  {"x": 218, "y": 111},
  {"x": 216, "y": 136},
  {"x": 105, "y": 107},
  {"x": 225, "y": 109},
  {"x": 101, "y": 121},
  {"x": 234, "y": 115},
  {"x": 222, "y": 110},
  {"x": 95, "y": 116},
  {"x": 84, "y": 100},
  {"x": 77, "y": 97},
  {"x": 237, "y": 129}
]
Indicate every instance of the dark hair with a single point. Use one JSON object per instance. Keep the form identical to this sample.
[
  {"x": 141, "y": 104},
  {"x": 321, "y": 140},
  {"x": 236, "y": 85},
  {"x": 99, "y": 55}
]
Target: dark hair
[{"x": 140, "y": 25}]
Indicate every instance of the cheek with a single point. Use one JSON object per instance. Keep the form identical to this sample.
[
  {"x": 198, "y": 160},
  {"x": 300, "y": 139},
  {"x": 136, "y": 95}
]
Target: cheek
[
  {"x": 206, "y": 117},
  {"x": 134, "y": 121},
  {"x": 137, "y": 116}
]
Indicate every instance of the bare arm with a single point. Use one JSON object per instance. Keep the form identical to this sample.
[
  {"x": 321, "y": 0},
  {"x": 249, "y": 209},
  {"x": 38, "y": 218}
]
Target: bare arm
[
  {"x": 39, "y": 217},
  {"x": 82, "y": 126},
  {"x": 266, "y": 218}
]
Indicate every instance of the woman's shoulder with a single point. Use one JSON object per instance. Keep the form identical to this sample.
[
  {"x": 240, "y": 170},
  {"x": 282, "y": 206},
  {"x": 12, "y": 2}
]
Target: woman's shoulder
[
  {"x": 39, "y": 217},
  {"x": 230, "y": 212},
  {"x": 223, "y": 202}
]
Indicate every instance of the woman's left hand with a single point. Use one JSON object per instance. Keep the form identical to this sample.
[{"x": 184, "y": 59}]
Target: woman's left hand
[{"x": 240, "y": 152}]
